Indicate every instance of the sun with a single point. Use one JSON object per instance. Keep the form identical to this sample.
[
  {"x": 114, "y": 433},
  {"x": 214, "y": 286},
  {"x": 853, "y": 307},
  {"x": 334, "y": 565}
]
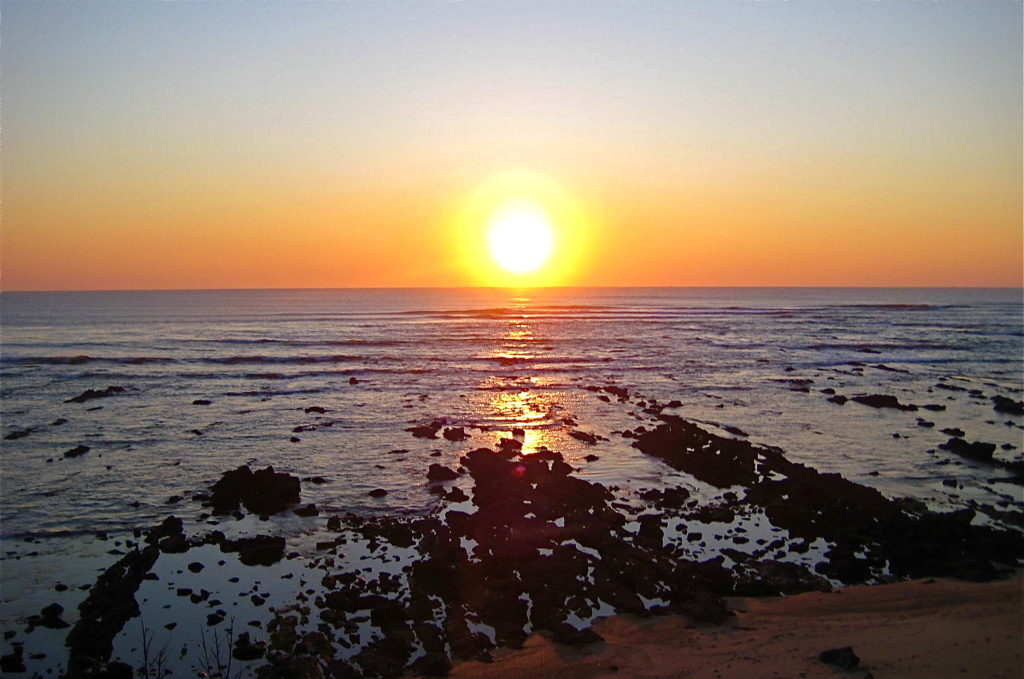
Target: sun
[
  {"x": 520, "y": 237},
  {"x": 520, "y": 229}
]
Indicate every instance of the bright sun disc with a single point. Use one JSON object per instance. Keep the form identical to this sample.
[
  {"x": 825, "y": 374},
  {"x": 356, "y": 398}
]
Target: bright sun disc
[{"x": 519, "y": 236}]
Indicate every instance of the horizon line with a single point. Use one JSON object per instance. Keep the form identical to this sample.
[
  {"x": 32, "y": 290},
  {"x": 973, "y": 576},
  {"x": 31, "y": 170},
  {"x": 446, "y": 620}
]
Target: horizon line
[{"x": 550, "y": 287}]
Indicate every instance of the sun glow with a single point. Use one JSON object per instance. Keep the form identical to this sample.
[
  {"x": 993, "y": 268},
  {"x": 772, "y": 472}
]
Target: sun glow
[
  {"x": 519, "y": 236},
  {"x": 520, "y": 229}
]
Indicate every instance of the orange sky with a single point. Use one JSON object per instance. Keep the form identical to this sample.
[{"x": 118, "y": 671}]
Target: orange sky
[{"x": 244, "y": 146}]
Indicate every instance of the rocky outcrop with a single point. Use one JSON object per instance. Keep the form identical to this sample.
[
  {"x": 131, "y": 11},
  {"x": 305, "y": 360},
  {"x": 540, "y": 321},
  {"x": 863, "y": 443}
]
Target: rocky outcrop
[
  {"x": 868, "y": 530},
  {"x": 110, "y": 604}
]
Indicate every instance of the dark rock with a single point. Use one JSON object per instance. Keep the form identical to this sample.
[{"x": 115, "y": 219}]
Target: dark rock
[
  {"x": 50, "y": 617},
  {"x": 682, "y": 445},
  {"x": 294, "y": 439},
  {"x": 979, "y": 451},
  {"x": 427, "y": 431},
  {"x": 921, "y": 422},
  {"x": 591, "y": 457},
  {"x": 262, "y": 550},
  {"x": 14, "y": 661},
  {"x": 245, "y": 649},
  {"x": 195, "y": 567},
  {"x": 838, "y": 399},
  {"x": 882, "y": 401},
  {"x": 438, "y": 472},
  {"x": 171, "y": 527},
  {"x": 201, "y": 402},
  {"x": 510, "y": 446},
  {"x": 308, "y": 510},
  {"x": 455, "y": 434},
  {"x": 949, "y": 482},
  {"x": 583, "y": 436},
  {"x": 353, "y": 380},
  {"x": 77, "y": 451},
  {"x": 263, "y": 492},
  {"x": 18, "y": 433},
  {"x": 110, "y": 604},
  {"x": 457, "y": 495},
  {"x": 378, "y": 492},
  {"x": 315, "y": 409},
  {"x": 953, "y": 431},
  {"x": 1003, "y": 404},
  {"x": 935, "y": 407},
  {"x": 843, "y": 658},
  {"x": 90, "y": 394}
]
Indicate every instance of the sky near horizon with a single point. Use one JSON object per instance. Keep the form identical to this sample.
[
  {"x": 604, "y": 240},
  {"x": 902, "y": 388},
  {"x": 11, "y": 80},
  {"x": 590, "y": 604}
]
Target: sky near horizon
[{"x": 337, "y": 144}]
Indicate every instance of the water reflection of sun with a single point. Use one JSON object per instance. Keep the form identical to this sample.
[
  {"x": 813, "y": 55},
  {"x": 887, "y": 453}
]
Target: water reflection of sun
[
  {"x": 530, "y": 411},
  {"x": 514, "y": 401}
]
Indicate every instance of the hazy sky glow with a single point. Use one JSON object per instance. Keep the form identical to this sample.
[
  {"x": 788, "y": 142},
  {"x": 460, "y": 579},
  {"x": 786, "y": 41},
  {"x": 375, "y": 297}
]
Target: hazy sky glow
[{"x": 232, "y": 144}]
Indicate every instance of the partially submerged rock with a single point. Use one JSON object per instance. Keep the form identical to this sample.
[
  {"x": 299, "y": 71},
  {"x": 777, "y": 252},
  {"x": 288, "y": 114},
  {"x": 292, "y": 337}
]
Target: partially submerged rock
[
  {"x": 77, "y": 451},
  {"x": 90, "y": 394},
  {"x": 882, "y": 401},
  {"x": 262, "y": 550},
  {"x": 438, "y": 472},
  {"x": 1003, "y": 404},
  {"x": 979, "y": 450},
  {"x": 262, "y": 492}
]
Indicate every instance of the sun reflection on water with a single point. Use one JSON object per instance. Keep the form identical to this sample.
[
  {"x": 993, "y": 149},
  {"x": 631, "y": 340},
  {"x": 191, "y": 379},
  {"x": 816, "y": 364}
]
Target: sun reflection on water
[{"x": 513, "y": 408}]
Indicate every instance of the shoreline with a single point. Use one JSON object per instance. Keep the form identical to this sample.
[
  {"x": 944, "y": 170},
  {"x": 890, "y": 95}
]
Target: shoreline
[{"x": 916, "y": 629}]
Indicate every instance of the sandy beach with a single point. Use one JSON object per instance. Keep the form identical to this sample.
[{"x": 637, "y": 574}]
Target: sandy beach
[{"x": 922, "y": 628}]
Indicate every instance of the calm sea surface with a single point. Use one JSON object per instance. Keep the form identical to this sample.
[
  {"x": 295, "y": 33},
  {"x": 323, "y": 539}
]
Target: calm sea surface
[{"x": 380, "y": 361}]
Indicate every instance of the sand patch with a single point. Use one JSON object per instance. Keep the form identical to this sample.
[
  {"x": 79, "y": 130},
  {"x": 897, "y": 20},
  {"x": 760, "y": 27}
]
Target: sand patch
[{"x": 914, "y": 629}]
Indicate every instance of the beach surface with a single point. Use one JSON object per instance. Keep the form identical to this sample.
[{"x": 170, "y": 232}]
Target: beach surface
[{"x": 922, "y": 628}]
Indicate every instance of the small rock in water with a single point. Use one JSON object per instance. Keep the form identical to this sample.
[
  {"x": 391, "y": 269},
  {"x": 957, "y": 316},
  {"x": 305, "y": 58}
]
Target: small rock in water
[
  {"x": 882, "y": 401},
  {"x": 17, "y": 434},
  {"x": 583, "y": 436},
  {"x": 201, "y": 402},
  {"x": 77, "y": 451},
  {"x": 1003, "y": 404},
  {"x": 438, "y": 472},
  {"x": 378, "y": 492},
  {"x": 90, "y": 394},
  {"x": 308, "y": 510},
  {"x": 455, "y": 434}
]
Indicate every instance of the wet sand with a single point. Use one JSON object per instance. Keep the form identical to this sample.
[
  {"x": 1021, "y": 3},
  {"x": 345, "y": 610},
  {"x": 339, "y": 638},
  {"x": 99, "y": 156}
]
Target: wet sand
[{"x": 917, "y": 629}]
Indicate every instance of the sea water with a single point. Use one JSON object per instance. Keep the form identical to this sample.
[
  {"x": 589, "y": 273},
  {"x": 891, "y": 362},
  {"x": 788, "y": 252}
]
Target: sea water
[{"x": 216, "y": 379}]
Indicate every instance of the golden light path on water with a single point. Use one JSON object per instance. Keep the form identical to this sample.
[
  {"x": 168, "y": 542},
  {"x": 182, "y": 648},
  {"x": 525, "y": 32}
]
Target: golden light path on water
[{"x": 536, "y": 413}]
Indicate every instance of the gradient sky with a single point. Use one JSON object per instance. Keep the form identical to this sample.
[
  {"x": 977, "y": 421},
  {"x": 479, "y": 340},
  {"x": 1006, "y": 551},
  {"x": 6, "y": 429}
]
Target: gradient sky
[{"x": 330, "y": 144}]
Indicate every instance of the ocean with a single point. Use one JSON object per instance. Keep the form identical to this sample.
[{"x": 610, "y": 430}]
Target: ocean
[{"x": 327, "y": 384}]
